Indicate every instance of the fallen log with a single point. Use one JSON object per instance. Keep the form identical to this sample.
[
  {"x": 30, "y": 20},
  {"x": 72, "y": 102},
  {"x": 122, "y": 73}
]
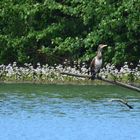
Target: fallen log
[
  {"x": 122, "y": 84},
  {"x": 103, "y": 79},
  {"x": 76, "y": 75}
]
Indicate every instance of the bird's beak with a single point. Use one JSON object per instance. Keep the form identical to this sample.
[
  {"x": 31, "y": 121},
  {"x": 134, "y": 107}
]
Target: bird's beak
[{"x": 104, "y": 46}]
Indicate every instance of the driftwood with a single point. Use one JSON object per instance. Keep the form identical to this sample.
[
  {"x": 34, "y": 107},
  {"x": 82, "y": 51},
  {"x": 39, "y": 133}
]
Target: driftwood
[{"x": 105, "y": 80}]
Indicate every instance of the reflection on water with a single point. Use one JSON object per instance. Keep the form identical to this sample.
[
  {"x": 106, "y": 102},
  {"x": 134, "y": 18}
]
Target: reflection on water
[{"x": 66, "y": 112}]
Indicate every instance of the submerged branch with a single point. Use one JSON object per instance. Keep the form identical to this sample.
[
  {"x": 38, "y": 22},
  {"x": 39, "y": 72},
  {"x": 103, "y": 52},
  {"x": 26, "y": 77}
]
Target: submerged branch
[{"x": 122, "y": 101}]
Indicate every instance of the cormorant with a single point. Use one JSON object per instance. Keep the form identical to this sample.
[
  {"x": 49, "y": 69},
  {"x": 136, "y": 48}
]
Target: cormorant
[{"x": 96, "y": 62}]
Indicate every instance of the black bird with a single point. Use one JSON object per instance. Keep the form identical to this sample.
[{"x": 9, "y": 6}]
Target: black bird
[{"x": 96, "y": 62}]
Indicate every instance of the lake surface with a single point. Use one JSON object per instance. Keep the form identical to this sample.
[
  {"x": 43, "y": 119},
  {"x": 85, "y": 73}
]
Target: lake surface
[{"x": 68, "y": 112}]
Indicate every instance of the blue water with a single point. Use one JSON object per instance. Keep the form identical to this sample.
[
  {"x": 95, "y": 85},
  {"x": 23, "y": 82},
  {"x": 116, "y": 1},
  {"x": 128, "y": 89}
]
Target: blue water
[{"x": 66, "y": 112}]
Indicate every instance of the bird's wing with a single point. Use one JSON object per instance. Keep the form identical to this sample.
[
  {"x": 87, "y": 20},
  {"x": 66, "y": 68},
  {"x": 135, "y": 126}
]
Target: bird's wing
[
  {"x": 95, "y": 64},
  {"x": 92, "y": 64}
]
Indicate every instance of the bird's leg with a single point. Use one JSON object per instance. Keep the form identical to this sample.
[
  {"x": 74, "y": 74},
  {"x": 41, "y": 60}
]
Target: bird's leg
[{"x": 93, "y": 74}]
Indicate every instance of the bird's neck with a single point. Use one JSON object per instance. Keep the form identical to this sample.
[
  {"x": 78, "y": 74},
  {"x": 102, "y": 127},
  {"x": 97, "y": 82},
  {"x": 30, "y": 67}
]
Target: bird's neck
[{"x": 99, "y": 55}]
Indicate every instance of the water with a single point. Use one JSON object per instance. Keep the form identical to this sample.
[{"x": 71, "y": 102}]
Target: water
[{"x": 67, "y": 112}]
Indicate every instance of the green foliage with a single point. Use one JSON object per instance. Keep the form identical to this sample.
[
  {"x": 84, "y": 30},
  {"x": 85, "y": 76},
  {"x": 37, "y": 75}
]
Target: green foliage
[{"x": 48, "y": 31}]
